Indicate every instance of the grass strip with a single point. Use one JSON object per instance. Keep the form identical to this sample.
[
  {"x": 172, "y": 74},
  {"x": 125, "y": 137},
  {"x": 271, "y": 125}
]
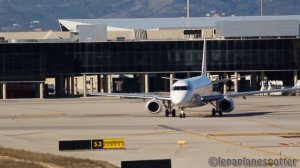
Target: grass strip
[{"x": 15, "y": 158}]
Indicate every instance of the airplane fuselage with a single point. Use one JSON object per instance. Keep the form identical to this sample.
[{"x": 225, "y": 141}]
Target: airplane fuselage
[{"x": 187, "y": 92}]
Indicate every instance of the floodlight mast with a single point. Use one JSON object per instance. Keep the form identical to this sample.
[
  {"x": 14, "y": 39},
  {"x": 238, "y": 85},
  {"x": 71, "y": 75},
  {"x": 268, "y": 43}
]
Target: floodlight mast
[
  {"x": 261, "y": 7},
  {"x": 188, "y": 13},
  {"x": 188, "y": 9}
]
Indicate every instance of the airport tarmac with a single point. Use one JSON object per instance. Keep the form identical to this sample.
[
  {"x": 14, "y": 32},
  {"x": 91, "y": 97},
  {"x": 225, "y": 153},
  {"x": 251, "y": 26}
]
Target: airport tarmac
[{"x": 260, "y": 127}]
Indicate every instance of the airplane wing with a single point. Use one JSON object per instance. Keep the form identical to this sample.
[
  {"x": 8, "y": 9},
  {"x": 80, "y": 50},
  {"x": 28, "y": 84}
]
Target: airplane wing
[
  {"x": 175, "y": 79},
  {"x": 210, "y": 98},
  {"x": 133, "y": 95},
  {"x": 262, "y": 92}
]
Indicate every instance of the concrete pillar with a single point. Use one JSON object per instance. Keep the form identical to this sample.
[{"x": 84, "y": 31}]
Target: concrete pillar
[
  {"x": 109, "y": 78},
  {"x": 236, "y": 82},
  {"x": 41, "y": 90},
  {"x": 262, "y": 75},
  {"x": 67, "y": 85},
  {"x": 171, "y": 80},
  {"x": 100, "y": 84},
  {"x": 253, "y": 81},
  {"x": 243, "y": 85},
  {"x": 295, "y": 77},
  {"x": 59, "y": 85},
  {"x": 142, "y": 82},
  {"x": 72, "y": 85},
  {"x": 92, "y": 84},
  {"x": 146, "y": 83},
  {"x": 225, "y": 85},
  {"x": 119, "y": 86},
  {"x": 84, "y": 85},
  {"x": 105, "y": 83},
  {"x": 188, "y": 75},
  {"x": 3, "y": 91},
  {"x": 208, "y": 75},
  {"x": 76, "y": 86},
  {"x": 166, "y": 84}
]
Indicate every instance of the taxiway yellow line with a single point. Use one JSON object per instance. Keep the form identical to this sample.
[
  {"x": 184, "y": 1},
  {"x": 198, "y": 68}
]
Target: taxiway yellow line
[
  {"x": 257, "y": 134},
  {"x": 151, "y": 133},
  {"x": 239, "y": 145},
  {"x": 29, "y": 133},
  {"x": 268, "y": 124}
]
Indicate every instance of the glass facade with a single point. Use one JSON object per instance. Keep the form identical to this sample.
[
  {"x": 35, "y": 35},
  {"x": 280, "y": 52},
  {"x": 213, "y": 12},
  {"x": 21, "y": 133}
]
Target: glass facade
[{"x": 35, "y": 61}]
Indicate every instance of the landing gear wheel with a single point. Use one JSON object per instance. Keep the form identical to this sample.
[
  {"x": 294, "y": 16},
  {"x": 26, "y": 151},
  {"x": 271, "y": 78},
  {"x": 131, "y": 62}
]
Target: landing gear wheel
[
  {"x": 167, "y": 113},
  {"x": 182, "y": 115},
  {"x": 213, "y": 112},
  {"x": 173, "y": 113}
]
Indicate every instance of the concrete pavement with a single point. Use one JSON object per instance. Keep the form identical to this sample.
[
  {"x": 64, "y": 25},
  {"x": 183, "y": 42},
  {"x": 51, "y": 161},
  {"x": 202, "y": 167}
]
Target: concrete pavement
[{"x": 259, "y": 128}]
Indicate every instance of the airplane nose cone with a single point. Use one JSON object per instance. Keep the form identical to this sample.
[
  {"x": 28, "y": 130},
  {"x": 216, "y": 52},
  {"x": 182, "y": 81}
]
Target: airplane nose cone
[
  {"x": 177, "y": 101},
  {"x": 178, "y": 97}
]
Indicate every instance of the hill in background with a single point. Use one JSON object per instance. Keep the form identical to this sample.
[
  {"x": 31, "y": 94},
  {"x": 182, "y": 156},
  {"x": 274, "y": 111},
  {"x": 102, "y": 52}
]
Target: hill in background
[{"x": 28, "y": 15}]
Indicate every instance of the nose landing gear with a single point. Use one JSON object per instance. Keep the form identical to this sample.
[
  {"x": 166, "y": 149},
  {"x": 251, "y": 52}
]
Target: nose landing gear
[
  {"x": 182, "y": 114},
  {"x": 171, "y": 111}
]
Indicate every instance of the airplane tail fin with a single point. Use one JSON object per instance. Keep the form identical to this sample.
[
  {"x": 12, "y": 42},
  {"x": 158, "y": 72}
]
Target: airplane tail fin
[{"x": 203, "y": 73}]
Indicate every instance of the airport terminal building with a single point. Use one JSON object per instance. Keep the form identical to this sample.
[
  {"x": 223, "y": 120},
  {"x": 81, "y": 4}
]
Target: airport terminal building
[{"x": 131, "y": 55}]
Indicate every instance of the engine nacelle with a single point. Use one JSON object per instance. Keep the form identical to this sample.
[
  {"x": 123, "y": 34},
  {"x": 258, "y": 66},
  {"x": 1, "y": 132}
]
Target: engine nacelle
[
  {"x": 226, "y": 104},
  {"x": 154, "y": 106}
]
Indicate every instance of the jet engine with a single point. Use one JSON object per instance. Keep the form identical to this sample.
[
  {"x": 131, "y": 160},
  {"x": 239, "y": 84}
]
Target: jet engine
[
  {"x": 225, "y": 104},
  {"x": 154, "y": 106}
]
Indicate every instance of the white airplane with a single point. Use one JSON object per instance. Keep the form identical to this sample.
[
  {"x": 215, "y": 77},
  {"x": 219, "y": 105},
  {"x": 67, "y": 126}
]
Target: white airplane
[{"x": 191, "y": 92}]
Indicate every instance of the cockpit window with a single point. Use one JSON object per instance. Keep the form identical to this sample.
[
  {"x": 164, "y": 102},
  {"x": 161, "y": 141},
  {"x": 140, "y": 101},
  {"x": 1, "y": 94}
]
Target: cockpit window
[{"x": 181, "y": 88}]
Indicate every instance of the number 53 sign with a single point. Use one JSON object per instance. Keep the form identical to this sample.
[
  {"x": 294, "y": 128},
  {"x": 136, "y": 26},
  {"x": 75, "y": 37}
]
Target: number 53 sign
[{"x": 97, "y": 144}]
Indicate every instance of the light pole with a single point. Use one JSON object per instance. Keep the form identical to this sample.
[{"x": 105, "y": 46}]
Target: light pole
[
  {"x": 188, "y": 9},
  {"x": 261, "y": 7},
  {"x": 188, "y": 13}
]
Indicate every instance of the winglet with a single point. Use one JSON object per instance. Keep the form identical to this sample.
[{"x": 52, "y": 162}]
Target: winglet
[{"x": 203, "y": 72}]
